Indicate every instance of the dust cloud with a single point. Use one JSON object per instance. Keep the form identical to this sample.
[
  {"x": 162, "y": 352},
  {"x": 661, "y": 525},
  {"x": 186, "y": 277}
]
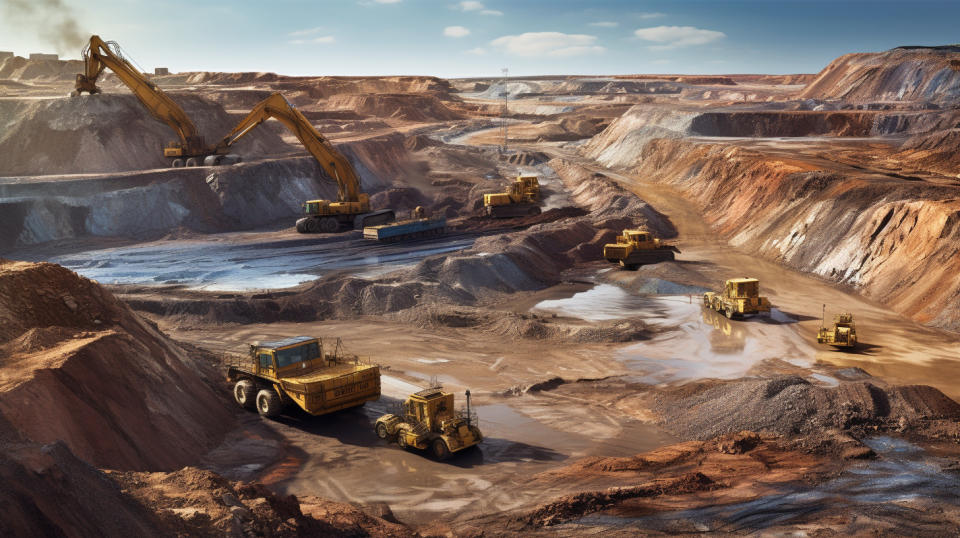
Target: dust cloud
[{"x": 53, "y": 21}]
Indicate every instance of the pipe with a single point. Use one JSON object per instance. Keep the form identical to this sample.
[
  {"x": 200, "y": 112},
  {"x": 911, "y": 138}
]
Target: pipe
[{"x": 468, "y": 407}]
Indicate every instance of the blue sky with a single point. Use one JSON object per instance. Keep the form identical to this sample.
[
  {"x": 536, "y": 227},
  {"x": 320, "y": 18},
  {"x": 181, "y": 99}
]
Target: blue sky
[{"x": 478, "y": 38}]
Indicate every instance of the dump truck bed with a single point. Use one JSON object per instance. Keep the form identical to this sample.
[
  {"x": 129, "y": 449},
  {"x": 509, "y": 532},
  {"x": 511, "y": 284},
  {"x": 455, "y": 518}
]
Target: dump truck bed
[
  {"x": 333, "y": 388},
  {"x": 406, "y": 229}
]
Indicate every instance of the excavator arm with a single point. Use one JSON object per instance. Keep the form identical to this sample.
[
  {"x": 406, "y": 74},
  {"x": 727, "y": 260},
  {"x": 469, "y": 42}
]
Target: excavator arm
[
  {"x": 332, "y": 161},
  {"x": 100, "y": 54}
]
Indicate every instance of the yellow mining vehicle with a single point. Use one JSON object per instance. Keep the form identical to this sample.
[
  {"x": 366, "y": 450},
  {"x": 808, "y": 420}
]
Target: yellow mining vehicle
[
  {"x": 190, "y": 149},
  {"x": 520, "y": 200},
  {"x": 636, "y": 247},
  {"x": 843, "y": 334},
  {"x": 740, "y": 297},
  {"x": 303, "y": 371},
  {"x": 427, "y": 420},
  {"x": 351, "y": 210}
]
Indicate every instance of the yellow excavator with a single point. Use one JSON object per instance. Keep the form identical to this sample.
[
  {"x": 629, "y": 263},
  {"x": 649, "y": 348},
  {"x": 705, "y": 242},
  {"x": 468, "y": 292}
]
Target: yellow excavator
[
  {"x": 352, "y": 208},
  {"x": 521, "y": 199},
  {"x": 191, "y": 149}
]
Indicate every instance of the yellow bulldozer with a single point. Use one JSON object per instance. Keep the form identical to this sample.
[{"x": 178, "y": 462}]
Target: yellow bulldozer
[
  {"x": 302, "y": 371},
  {"x": 636, "y": 247},
  {"x": 740, "y": 297},
  {"x": 428, "y": 420},
  {"x": 843, "y": 334},
  {"x": 521, "y": 199}
]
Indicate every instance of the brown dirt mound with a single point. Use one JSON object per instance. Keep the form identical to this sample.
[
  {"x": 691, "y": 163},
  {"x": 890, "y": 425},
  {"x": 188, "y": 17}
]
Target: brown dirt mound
[
  {"x": 575, "y": 506},
  {"x": 900, "y": 74},
  {"x": 107, "y": 133},
  {"x": 403, "y": 106},
  {"x": 19, "y": 68},
  {"x": 81, "y": 368},
  {"x": 790, "y": 405},
  {"x": 195, "y": 502}
]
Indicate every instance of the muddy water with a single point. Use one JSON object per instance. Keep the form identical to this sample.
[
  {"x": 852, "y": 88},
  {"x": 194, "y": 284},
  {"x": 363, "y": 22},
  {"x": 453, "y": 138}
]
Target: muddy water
[
  {"x": 339, "y": 457},
  {"x": 702, "y": 344},
  {"x": 238, "y": 262},
  {"x": 902, "y": 473}
]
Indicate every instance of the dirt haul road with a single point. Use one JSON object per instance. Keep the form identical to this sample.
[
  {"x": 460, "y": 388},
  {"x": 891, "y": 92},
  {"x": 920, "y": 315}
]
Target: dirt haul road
[{"x": 892, "y": 347}]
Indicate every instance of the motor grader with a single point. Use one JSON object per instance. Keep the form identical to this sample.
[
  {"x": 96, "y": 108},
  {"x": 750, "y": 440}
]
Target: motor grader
[
  {"x": 636, "y": 247},
  {"x": 740, "y": 297},
  {"x": 520, "y": 200},
  {"x": 305, "y": 372},
  {"x": 843, "y": 334},
  {"x": 428, "y": 420}
]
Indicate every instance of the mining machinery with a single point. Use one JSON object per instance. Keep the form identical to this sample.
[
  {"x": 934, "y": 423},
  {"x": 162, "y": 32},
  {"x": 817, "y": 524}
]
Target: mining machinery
[
  {"x": 636, "y": 247},
  {"x": 740, "y": 297},
  {"x": 310, "y": 373},
  {"x": 191, "y": 149},
  {"x": 352, "y": 208},
  {"x": 521, "y": 199},
  {"x": 428, "y": 421}
]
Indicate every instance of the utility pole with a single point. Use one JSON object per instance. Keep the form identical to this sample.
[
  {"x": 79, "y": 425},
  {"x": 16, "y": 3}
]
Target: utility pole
[{"x": 503, "y": 111}]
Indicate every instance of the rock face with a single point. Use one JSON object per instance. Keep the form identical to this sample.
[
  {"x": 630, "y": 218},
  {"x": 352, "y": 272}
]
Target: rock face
[
  {"x": 78, "y": 366},
  {"x": 106, "y": 133},
  {"x": 900, "y": 74}
]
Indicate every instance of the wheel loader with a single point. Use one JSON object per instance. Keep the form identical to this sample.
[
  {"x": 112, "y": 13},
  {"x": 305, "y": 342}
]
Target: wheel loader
[
  {"x": 303, "y": 371},
  {"x": 520, "y": 200},
  {"x": 636, "y": 247},
  {"x": 740, "y": 297},
  {"x": 428, "y": 420},
  {"x": 843, "y": 334}
]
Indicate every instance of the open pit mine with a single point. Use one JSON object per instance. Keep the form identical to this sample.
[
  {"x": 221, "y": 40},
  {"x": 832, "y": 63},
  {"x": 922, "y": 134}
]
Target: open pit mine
[{"x": 339, "y": 306}]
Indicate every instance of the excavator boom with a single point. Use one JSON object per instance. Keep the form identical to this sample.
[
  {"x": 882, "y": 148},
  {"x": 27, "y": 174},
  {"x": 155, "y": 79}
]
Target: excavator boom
[
  {"x": 352, "y": 210},
  {"x": 100, "y": 54},
  {"x": 332, "y": 161}
]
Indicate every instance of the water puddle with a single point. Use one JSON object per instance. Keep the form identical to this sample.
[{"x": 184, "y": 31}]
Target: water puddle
[
  {"x": 605, "y": 302},
  {"x": 223, "y": 265},
  {"x": 707, "y": 345}
]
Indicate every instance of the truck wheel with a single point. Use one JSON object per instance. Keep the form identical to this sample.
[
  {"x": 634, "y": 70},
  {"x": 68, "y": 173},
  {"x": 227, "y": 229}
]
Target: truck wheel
[
  {"x": 244, "y": 392},
  {"x": 313, "y": 226},
  {"x": 382, "y": 431},
  {"x": 728, "y": 312},
  {"x": 177, "y": 163},
  {"x": 191, "y": 162},
  {"x": 440, "y": 449},
  {"x": 268, "y": 403},
  {"x": 329, "y": 225},
  {"x": 402, "y": 440}
]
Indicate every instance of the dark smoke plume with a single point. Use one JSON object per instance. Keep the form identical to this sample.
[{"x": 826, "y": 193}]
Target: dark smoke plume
[{"x": 54, "y": 22}]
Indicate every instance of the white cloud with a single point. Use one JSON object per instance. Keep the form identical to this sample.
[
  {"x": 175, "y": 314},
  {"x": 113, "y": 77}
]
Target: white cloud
[
  {"x": 648, "y": 16},
  {"x": 605, "y": 24},
  {"x": 473, "y": 5},
  {"x": 556, "y": 44},
  {"x": 479, "y": 51},
  {"x": 309, "y": 31},
  {"x": 313, "y": 40},
  {"x": 456, "y": 31},
  {"x": 678, "y": 36}
]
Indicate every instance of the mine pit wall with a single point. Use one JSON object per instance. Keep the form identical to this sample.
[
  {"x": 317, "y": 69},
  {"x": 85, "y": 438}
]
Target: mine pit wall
[
  {"x": 207, "y": 199},
  {"x": 897, "y": 243}
]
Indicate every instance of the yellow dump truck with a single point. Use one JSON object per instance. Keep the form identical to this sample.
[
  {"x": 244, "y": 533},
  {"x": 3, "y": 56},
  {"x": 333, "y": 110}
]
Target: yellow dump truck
[
  {"x": 428, "y": 420},
  {"x": 843, "y": 334},
  {"x": 740, "y": 297},
  {"x": 521, "y": 199},
  {"x": 636, "y": 247},
  {"x": 305, "y": 372}
]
